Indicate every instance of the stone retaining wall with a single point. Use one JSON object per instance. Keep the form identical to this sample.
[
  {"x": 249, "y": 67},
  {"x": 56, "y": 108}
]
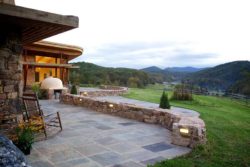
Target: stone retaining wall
[
  {"x": 105, "y": 91},
  {"x": 194, "y": 125}
]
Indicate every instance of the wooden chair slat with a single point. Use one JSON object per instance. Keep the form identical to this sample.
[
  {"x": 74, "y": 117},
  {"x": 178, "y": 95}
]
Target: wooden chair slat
[{"x": 32, "y": 110}]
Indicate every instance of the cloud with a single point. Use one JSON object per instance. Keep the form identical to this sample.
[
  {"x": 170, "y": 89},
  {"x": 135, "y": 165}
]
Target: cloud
[
  {"x": 143, "y": 54},
  {"x": 159, "y": 32}
]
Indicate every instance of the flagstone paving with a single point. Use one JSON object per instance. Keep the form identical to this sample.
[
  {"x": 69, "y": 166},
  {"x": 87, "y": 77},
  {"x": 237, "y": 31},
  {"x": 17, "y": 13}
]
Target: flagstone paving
[{"x": 92, "y": 139}]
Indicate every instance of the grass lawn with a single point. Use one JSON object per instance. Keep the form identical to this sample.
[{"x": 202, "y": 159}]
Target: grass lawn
[{"x": 228, "y": 130}]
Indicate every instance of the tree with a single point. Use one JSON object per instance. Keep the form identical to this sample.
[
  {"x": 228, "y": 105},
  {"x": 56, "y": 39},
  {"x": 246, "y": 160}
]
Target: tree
[
  {"x": 164, "y": 103},
  {"x": 181, "y": 92},
  {"x": 133, "y": 82},
  {"x": 73, "y": 90}
]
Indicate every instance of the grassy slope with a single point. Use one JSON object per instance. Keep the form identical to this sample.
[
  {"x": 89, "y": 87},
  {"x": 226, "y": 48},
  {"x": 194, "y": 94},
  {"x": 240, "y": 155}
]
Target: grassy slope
[{"x": 228, "y": 130}]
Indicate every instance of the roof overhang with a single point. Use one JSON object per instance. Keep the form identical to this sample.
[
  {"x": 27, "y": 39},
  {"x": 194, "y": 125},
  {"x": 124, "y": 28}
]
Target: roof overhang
[
  {"x": 50, "y": 65},
  {"x": 35, "y": 25},
  {"x": 52, "y": 48}
]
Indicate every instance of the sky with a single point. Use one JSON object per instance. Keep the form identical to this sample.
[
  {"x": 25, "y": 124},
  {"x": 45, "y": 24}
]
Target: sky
[{"x": 163, "y": 33}]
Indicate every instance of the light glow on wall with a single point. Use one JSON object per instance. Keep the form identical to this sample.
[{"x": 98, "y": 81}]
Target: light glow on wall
[{"x": 184, "y": 130}]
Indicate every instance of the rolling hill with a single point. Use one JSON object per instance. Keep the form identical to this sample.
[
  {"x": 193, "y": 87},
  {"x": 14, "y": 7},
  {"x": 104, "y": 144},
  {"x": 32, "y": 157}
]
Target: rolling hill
[
  {"x": 233, "y": 76},
  {"x": 171, "y": 73},
  {"x": 183, "y": 69},
  {"x": 223, "y": 77},
  {"x": 152, "y": 69},
  {"x": 96, "y": 75}
]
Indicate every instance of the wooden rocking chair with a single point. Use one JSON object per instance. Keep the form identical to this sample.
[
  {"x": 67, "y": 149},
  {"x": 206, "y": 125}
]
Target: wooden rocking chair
[{"x": 34, "y": 113}]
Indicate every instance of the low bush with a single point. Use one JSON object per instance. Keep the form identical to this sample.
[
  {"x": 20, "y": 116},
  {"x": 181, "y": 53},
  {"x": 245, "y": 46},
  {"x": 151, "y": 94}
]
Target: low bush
[
  {"x": 25, "y": 139},
  {"x": 164, "y": 103},
  {"x": 73, "y": 90},
  {"x": 41, "y": 93},
  {"x": 181, "y": 93}
]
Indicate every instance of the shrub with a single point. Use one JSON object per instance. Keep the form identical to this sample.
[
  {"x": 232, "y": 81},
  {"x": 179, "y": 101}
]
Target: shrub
[
  {"x": 181, "y": 93},
  {"x": 35, "y": 88},
  {"x": 164, "y": 103},
  {"x": 25, "y": 139},
  {"x": 41, "y": 94},
  {"x": 73, "y": 90},
  {"x": 133, "y": 82}
]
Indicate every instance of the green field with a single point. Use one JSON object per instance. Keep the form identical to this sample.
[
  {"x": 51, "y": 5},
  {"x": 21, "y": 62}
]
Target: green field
[{"x": 228, "y": 130}]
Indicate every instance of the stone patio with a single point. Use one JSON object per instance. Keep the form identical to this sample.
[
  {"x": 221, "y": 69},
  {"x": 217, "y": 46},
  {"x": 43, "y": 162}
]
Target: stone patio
[{"x": 93, "y": 139}]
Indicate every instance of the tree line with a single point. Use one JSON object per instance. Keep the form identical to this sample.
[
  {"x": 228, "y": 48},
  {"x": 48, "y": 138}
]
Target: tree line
[{"x": 91, "y": 74}]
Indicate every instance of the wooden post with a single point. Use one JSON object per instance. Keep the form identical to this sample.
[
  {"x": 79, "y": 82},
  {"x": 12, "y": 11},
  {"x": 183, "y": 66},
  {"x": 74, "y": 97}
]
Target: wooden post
[
  {"x": 26, "y": 67},
  {"x": 25, "y": 73},
  {"x": 56, "y": 68},
  {"x": 61, "y": 71},
  {"x": 67, "y": 73}
]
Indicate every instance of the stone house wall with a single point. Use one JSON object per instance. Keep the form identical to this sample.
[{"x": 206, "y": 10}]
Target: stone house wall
[{"x": 10, "y": 80}]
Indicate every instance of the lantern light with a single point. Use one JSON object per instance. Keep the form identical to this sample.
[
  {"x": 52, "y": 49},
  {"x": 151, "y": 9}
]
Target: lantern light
[{"x": 184, "y": 130}]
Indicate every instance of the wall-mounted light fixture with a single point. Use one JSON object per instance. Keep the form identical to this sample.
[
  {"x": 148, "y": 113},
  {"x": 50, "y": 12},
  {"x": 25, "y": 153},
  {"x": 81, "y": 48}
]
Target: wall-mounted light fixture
[
  {"x": 111, "y": 105},
  {"x": 80, "y": 99},
  {"x": 85, "y": 93},
  {"x": 184, "y": 131}
]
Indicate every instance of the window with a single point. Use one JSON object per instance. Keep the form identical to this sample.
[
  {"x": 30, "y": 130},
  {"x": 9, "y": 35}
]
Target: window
[{"x": 37, "y": 76}]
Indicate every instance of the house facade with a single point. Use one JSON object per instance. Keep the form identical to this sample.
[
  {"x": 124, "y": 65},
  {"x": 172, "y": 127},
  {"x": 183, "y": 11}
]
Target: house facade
[{"x": 43, "y": 59}]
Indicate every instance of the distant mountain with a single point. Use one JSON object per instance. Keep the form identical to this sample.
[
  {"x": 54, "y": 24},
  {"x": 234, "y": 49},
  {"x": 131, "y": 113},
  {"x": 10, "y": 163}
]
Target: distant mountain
[
  {"x": 183, "y": 69},
  {"x": 155, "y": 69},
  {"x": 223, "y": 76},
  {"x": 171, "y": 73},
  {"x": 152, "y": 69}
]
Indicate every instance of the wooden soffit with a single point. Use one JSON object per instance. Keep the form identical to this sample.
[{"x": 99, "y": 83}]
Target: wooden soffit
[
  {"x": 35, "y": 25},
  {"x": 44, "y": 48},
  {"x": 49, "y": 65}
]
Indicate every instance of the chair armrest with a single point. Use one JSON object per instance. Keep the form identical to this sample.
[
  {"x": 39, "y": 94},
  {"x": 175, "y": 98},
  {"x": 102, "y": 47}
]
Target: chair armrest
[{"x": 50, "y": 114}]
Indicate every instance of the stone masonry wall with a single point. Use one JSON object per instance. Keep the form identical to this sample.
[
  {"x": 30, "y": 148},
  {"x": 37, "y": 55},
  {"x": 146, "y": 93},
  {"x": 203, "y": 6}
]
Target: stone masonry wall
[
  {"x": 10, "y": 78},
  {"x": 159, "y": 116},
  {"x": 105, "y": 91}
]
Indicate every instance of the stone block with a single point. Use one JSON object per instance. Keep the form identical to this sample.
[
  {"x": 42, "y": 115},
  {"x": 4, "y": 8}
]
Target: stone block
[
  {"x": 3, "y": 96},
  {"x": 12, "y": 95},
  {"x": 9, "y": 88},
  {"x": 17, "y": 76}
]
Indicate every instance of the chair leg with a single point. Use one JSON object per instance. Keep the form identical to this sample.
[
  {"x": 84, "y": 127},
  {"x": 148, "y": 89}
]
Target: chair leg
[
  {"x": 45, "y": 133},
  {"x": 59, "y": 119},
  {"x": 44, "y": 129}
]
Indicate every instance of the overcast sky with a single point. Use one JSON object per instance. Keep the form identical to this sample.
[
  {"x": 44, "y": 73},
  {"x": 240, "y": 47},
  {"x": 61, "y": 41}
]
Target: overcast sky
[{"x": 164, "y": 33}]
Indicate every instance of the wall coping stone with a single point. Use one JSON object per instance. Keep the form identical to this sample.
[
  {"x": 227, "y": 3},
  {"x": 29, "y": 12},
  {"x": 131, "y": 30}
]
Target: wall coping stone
[{"x": 104, "y": 90}]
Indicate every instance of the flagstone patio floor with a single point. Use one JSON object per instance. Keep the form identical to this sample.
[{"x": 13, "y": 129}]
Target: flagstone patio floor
[{"x": 92, "y": 139}]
